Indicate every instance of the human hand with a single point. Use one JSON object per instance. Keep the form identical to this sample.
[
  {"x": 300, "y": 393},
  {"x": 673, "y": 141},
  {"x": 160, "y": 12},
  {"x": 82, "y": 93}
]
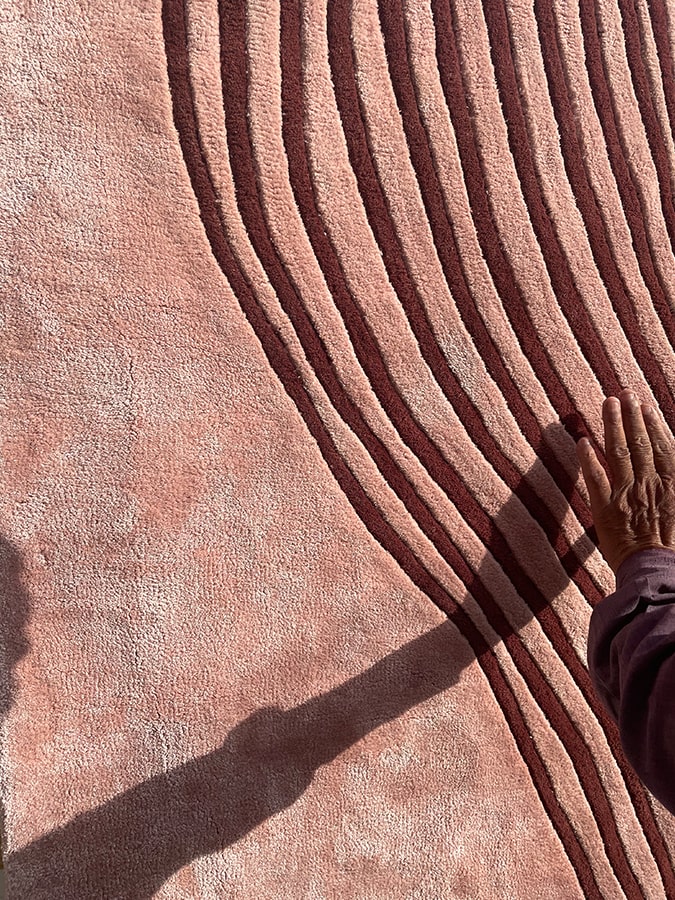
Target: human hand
[{"x": 638, "y": 510}]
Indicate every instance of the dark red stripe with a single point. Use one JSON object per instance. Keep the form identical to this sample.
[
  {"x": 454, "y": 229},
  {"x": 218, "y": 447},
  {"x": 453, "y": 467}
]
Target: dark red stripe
[
  {"x": 661, "y": 27},
  {"x": 632, "y": 32},
  {"x": 604, "y": 104}
]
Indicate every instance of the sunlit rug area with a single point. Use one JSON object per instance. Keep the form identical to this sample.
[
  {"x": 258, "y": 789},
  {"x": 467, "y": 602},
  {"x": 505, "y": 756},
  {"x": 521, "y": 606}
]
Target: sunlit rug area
[{"x": 304, "y": 305}]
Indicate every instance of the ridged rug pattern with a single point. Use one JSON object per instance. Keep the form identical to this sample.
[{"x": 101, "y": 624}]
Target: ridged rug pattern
[{"x": 305, "y": 305}]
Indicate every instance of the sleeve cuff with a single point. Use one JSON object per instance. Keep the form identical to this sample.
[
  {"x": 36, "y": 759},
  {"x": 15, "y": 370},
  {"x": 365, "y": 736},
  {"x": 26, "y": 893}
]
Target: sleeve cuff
[{"x": 644, "y": 563}]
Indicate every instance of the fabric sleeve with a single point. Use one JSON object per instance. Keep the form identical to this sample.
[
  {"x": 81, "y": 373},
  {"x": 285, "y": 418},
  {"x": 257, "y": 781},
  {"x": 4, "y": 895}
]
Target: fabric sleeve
[{"x": 631, "y": 660}]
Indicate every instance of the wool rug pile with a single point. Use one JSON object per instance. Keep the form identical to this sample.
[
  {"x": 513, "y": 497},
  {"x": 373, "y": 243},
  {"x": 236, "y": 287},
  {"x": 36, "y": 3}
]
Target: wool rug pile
[{"x": 305, "y": 304}]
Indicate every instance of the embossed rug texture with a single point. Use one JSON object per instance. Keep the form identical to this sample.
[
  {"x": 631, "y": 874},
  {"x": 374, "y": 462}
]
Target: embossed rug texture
[{"x": 304, "y": 306}]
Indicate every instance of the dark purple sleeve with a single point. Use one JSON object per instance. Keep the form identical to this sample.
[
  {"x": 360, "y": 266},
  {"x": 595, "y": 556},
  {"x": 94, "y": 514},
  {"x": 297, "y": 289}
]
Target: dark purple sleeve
[{"x": 631, "y": 660}]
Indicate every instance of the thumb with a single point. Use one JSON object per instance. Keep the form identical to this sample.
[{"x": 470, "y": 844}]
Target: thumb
[{"x": 598, "y": 485}]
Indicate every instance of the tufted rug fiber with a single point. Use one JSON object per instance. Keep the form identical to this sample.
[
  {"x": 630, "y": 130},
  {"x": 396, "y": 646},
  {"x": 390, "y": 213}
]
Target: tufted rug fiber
[{"x": 304, "y": 306}]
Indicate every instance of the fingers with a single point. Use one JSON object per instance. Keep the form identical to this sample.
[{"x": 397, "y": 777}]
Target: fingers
[{"x": 628, "y": 447}]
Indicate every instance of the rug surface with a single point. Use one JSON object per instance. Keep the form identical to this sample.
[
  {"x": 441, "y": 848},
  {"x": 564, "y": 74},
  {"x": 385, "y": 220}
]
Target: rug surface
[{"x": 304, "y": 306}]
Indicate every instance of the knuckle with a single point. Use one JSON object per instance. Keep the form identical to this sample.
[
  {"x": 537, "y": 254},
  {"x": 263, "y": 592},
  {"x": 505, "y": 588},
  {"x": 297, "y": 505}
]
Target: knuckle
[
  {"x": 640, "y": 444},
  {"x": 663, "y": 447},
  {"x": 619, "y": 451}
]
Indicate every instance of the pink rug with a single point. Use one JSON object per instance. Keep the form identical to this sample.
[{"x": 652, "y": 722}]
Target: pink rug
[{"x": 304, "y": 306}]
